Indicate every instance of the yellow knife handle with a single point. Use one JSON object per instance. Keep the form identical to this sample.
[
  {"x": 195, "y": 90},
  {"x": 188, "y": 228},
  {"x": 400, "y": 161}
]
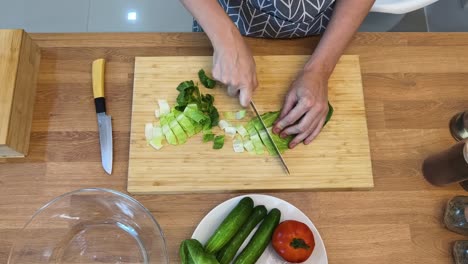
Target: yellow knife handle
[{"x": 98, "y": 78}]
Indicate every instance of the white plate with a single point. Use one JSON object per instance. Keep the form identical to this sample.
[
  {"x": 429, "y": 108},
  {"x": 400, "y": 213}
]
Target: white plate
[{"x": 288, "y": 212}]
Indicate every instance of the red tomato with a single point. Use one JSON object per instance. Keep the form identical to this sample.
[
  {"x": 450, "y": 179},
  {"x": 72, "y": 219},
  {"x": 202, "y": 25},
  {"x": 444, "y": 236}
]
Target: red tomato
[{"x": 293, "y": 241}]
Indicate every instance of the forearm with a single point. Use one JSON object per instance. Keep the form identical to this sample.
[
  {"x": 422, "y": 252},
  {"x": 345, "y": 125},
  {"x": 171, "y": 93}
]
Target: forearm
[
  {"x": 346, "y": 19},
  {"x": 214, "y": 21}
]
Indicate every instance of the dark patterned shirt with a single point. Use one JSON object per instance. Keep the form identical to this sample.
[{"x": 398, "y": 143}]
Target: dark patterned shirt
[{"x": 278, "y": 18}]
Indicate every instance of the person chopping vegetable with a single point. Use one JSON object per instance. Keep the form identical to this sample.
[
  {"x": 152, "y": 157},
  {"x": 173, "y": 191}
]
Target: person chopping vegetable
[{"x": 305, "y": 106}]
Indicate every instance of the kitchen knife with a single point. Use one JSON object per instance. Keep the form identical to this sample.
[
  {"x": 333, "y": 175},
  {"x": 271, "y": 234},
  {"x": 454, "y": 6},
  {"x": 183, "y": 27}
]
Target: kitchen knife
[
  {"x": 285, "y": 166},
  {"x": 104, "y": 120}
]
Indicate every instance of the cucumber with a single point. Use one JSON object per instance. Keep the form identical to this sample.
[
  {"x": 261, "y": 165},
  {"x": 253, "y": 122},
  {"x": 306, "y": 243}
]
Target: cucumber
[
  {"x": 228, "y": 252},
  {"x": 230, "y": 225},
  {"x": 260, "y": 239}
]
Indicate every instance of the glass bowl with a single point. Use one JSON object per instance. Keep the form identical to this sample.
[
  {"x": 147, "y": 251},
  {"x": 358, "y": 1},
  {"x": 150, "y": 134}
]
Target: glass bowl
[{"x": 90, "y": 226}]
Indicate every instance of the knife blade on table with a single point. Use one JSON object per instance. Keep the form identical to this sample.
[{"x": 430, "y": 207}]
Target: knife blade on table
[
  {"x": 283, "y": 162},
  {"x": 104, "y": 120}
]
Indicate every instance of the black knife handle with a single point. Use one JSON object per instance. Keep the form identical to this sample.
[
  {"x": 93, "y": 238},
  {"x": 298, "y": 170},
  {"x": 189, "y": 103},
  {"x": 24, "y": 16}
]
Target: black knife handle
[{"x": 100, "y": 104}]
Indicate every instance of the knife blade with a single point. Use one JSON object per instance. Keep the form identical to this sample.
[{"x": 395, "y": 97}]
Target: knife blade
[
  {"x": 104, "y": 120},
  {"x": 283, "y": 162}
]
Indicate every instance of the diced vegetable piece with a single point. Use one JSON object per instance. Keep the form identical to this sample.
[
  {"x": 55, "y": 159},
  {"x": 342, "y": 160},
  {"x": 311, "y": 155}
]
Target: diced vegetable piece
[
  {"x": 208, "y": 137},
  {"x": 164, "y": 107},
  {"x": 230, "y": 131},
  {"x": 267, "y": 142},
  {"x": 230, "y": 115},
  {"x": 157, "y": 113},
  {"x": 192, "y": 106},
  {"x": 242, "y": 131},
  {"x": 163, "y": 121},
  {"x": 170, "y": 137},
  {"x": 241, "y": 114},
  {"x": 157, "y": 131},
  {"x": 248, "y": 145},
  {"x": 218, "y": 142},
  {"x": 251, "y": 129},
  {"x": 205, "y": 80},
  {"x": 186, "y": 124},
  {"x": 196, "y": 115},
  {"x": 157, "y": 142},
  {"x": 148, "y": 131},
  {"x": 238, "y": 146},
  {"x": 178, "y": 132},
  {"x": 257, "y": 142},
  {"x": 223, "y": 124}
]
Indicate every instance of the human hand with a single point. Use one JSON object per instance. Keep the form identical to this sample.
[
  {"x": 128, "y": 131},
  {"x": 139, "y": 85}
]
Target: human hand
[
  {"x": 233, "y": 65},
  {"x": 305, "y": 108}
]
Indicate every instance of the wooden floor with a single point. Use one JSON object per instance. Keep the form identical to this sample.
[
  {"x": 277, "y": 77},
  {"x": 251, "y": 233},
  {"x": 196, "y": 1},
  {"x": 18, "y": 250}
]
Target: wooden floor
[{"x": 413, "y": 84}]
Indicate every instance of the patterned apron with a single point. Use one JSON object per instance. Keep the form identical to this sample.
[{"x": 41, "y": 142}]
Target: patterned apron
[{"x": 277, "y": 18}]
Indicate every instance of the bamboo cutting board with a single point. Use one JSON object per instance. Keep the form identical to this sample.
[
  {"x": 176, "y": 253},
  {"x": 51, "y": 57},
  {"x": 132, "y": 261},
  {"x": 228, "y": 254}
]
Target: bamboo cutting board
[{"x": 339, "y": 159}]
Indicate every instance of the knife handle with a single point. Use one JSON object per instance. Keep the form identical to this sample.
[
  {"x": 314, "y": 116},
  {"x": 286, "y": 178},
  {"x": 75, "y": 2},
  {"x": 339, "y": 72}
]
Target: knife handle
[{"x": 98, "y": 85}]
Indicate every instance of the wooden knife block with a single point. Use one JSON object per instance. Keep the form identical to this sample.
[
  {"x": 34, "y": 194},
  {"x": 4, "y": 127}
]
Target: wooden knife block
[{"x": 19, "y": 66}]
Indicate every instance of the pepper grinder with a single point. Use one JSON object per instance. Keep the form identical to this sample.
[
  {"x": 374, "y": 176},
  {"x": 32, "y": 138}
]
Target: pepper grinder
[
  {"x": 460, "y": 252},
  {"x": 459, "y": 126}
]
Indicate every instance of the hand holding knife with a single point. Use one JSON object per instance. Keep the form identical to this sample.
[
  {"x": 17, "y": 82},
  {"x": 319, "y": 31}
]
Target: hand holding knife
[{"x": 104, "y": 120}]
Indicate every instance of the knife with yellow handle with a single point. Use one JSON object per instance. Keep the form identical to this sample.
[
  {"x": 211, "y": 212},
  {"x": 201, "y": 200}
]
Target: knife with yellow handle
[{"x": 104, "y": 120}]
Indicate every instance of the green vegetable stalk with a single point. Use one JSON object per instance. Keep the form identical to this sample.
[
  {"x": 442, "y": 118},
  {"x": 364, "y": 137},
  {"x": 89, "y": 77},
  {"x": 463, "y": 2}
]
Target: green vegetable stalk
[{"x": 205, "y": 80}]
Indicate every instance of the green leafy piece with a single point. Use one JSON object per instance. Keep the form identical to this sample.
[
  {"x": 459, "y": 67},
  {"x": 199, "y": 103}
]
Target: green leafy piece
[
  {"x": 330, "y": 113},
  {"x": 188, "y": 93},
  {"x": 218, "y": 142},
  {"x": 208, "y": 137},
  {"x": 270, "y": 117},
  {"x": 178, "y": 132},
  {"x": 186, "y": 124},
  {"x": 205, "y": 80},
  {"x": 241, "y": 114},
  {"x": 196, "y": 115},
  {"x": 281, "y": 143},
  {"x": 251, "y": 128}
]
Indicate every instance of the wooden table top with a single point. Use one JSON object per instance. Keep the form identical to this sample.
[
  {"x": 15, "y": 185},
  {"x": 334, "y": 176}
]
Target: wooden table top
[{"x": 413, "y": 83}]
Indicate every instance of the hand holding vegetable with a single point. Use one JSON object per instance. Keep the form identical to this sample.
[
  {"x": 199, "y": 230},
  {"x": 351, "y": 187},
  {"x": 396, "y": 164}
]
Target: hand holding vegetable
[
  {"x": 305, "y": 108},
  {"x": 233, "y": 65}
]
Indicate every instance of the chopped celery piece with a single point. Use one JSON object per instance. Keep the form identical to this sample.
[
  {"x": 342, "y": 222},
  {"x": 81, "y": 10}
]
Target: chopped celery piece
[
  {"x": 267, "y": 142},
  {"x": 241, "y": 114},
  {"x": 157, "y": 113},
  {"x": 170, "y": 137},
  {"x": 218, "y": 142},
  {"x": 230, "y": 131},
  {"x": 164, "y": 107},
  {"x": 281, "y": 143},
  {"x": 270, "y": 118},
  {"x": 208, "y": 131},
  {"x": 223, "y": 124},
  {"x": 186, "y": 124},
  {"x": 196, "y": 115},
  {"x": 242, "y": 131},
  {"x": 148, "y": 131},
  {"x": 192, "y": 106},
  {"x": 251, "y": 129},
  {"x": 158, "y": 137},
  {"x": 238, "y": 146},
  {"x": 330, "y": 113},
  {"x": 178, "y": 132},
  {"x": 230, "y": 115},
  {"x": 257, "y": 142},
  {"x": 163, "y": 121},
  {"x": 248, "y": 145},
  {"x": 208, "y": 137}
]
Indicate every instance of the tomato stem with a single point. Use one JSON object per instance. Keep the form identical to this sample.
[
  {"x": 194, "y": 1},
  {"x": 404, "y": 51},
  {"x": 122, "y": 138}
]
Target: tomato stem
[{"x": 299, "y": 243}]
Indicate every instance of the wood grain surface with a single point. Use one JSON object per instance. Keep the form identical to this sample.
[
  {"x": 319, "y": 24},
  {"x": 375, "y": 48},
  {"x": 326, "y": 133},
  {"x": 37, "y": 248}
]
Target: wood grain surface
[
  {"x": 19, "y": 66},
  {"x": 413, "y": 83},
  {"x": 338, "y": 159}
]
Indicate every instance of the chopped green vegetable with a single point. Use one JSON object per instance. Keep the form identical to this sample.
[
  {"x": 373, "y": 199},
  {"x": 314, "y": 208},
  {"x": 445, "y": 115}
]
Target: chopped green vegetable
[
  {"x": 281, "y": 143},
  {"x": 205, "y": 80},
  {"x": 251, "y": 129},
  {"x": 218, "y": 142},
  {"x": 270, "y": 118},
  {"x": 257, "y": 142},
  {"x": 208, "y": 137},
  {"x": 248, "y": 145},
  {"x": 230, "y": 131},
  {"x": 186, "y": 124},
  {"x": 196, "y": 115},
  {"x": 330, "y": 113},
  {"x": 229, "y": 115},
  {"x": 238, "y": 146},
  {"x": 267, "y": 142},
  {"x": 178, "y": 132},
  {"x": 164, "y": 107},
  {"x": 170, "y": 137},
  {"x": 148, "y": 131},
  {"x": 241, "y": 114},
  {"x": 242, "y": 131}
]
